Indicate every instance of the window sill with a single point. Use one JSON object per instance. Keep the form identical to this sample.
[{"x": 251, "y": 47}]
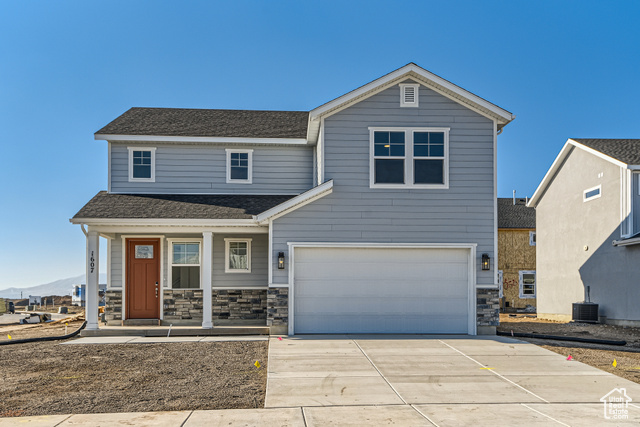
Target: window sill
[
  {"x": 238, "y": 181},
  {"x": 142, "y": 180},
  {"x": 411, "y": 186},
  {"x": 237, "y": 271}
]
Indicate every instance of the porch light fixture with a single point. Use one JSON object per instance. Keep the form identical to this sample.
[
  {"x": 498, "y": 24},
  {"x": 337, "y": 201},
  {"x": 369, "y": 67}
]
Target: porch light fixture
[
  {"x": 486, "y": 262},
  {"x": 280, "y": 260}
]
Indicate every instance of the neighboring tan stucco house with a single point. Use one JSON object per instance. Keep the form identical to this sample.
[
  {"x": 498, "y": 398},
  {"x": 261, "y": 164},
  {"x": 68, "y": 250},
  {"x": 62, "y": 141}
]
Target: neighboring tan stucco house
[
  {"x": 588, "y": 228},
  {"x": 516, "y": 254},
  {"x": 368, "y": 214}
]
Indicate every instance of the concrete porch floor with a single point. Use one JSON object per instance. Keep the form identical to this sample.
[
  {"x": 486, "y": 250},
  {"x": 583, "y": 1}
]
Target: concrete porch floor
[{"x": 174, "y": 331}]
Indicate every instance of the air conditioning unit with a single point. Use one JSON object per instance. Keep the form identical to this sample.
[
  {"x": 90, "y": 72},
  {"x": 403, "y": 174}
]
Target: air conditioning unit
[{"x": 585, "y": 312}]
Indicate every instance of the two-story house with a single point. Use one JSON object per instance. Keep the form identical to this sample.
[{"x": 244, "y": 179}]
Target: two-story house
[
  {"x": 373, "y": 213},
  {"x": 588, "y": 230}
]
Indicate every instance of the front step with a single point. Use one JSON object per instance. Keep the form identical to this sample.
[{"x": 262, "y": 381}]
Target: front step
[
  {"x": 141, "y": 322},
  {"x": 180, "y": 331}
]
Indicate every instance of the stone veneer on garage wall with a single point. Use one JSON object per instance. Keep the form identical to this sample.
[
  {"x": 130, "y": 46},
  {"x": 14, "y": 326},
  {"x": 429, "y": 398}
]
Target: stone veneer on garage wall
[
  {"x": 278, "y": 310},
  {"x": 487, "y": 307}
]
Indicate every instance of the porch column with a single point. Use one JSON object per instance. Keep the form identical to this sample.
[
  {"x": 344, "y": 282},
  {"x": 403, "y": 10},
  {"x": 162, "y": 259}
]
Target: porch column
[
  {"x": 93, "y": 257},
  {"x": 207, "y": 261}
]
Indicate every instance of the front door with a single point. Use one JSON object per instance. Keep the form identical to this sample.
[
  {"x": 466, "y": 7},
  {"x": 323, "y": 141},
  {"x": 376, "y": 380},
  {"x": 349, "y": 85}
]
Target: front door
[{"x": 143, "y": 277}]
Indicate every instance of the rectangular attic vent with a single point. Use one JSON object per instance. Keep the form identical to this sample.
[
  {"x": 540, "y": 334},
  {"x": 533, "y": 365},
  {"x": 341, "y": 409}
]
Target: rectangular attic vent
[{"x": 409, "y": 95}]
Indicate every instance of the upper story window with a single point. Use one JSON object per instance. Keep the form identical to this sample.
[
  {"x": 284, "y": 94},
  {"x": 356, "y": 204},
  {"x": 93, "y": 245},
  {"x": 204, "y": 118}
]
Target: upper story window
[
  {"x": 409, "y": 95},
  {"x": 239, "y": 166},
  {"x": 142, "y": 164},
  {"x": 592, "y": 193},
  {"x": 409, "y": 157},
  {"x": 532, "y": 238}
]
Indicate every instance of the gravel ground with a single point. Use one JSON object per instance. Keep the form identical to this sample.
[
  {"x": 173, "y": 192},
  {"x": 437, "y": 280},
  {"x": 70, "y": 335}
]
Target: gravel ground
[
  {"x": 600, "y": 356},
  {"x": 48, "y": 378}
]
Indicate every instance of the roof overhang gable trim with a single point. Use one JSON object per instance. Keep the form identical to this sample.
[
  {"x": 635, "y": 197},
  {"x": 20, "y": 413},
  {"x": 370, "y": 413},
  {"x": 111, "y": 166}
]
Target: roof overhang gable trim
[
  {"x": 419, "y": 75},
  {"x": 295, "y": 203},
  {"x": 557, "y": 164}
]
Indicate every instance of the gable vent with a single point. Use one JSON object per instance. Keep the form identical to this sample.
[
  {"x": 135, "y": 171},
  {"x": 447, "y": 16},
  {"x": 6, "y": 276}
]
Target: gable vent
[{"x": 409, "y": 95}]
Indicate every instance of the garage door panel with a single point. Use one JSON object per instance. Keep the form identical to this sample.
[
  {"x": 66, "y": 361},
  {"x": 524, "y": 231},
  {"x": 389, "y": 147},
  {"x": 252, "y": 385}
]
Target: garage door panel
[{"x": 381, "y": 290}]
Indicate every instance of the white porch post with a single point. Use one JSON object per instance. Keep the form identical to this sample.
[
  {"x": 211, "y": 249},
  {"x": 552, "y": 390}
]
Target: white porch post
[
  {"x": 207, "y": 261},
  {"x": 93, "y": 256}
]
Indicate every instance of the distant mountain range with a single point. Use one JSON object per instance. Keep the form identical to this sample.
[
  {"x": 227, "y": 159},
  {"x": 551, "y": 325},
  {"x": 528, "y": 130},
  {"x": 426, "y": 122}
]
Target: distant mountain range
[{"x": 59, "y": 287}]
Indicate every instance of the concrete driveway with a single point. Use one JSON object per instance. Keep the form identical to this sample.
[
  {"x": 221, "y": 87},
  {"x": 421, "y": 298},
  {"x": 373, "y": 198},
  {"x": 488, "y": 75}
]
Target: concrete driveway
[{"x": 437, "y": 380}]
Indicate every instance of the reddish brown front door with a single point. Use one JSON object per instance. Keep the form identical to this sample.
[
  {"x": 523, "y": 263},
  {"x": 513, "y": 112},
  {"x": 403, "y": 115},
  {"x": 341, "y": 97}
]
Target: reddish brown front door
[{"x": 143, "y": 277}]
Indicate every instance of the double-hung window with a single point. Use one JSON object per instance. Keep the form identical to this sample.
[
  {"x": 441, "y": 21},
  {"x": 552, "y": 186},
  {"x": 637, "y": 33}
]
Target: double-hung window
[
  {"x": 142, "y": 164},
  {"x": 185, "y": 264},
  {"x": 237, "y": 256},
  {"x": 239, "y": 166},
  {"x": 409, "y": 158},
  {"x": 527, "y": 284}
]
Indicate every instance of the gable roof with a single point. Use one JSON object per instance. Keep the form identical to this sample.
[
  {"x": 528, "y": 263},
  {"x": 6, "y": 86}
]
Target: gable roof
[
  {"x": 621, "y": 152},
  {"x": 515, "y": 216},
  {"x": 174, "y": 206},
  {"x": 181, "y": 122},
  {"x": 420, "y": 75},
  {"x": 626, "y": 151}
]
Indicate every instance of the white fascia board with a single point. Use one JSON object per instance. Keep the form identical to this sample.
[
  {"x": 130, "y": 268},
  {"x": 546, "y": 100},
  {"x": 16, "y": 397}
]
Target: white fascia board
[
  {"x": 166, "y": 222},
  {"x": 557, "y": 163},
  {"x": 296, "y": 202},
  {"x": 416, "y": 73},
  {"x": 202, "y": 139}
]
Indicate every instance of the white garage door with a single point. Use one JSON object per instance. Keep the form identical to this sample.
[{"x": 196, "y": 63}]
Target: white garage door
[{"x": 381, "y": 290}]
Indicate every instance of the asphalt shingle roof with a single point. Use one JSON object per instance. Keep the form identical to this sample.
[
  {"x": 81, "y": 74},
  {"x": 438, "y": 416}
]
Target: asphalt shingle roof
[
  {"x": 174, "y": 206},
  {"x": 209, "y": 123},
  {"x": 515, "y": 216},
  {"x": 625, "y": 150}
]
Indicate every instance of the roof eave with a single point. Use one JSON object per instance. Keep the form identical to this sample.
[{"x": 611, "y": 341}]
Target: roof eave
[
  {"x": 297, "y": 202},
  {"x": 201, "y": 139}
]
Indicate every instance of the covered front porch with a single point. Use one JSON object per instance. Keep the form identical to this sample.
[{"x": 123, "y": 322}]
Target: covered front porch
[{"x": 208, "y": 279}]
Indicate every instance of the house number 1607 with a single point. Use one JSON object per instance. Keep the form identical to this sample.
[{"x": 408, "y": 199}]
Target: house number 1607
[{"x": 93, "y": 264}]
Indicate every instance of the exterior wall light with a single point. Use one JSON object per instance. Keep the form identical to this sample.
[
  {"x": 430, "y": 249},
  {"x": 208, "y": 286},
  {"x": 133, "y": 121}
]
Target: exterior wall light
[
  {"x": 280, "y": 260},
  {"x": 486, "y": 262}
]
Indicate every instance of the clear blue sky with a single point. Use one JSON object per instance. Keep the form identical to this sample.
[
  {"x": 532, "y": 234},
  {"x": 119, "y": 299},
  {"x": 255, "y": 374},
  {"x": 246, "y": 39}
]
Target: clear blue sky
[{"x": 565, "y": 68}]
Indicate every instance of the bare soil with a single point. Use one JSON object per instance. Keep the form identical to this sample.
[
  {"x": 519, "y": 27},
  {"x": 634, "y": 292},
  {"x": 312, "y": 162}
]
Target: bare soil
[
  {"x": 600, "y": 356},
  {"x": 47, "y": 378}
]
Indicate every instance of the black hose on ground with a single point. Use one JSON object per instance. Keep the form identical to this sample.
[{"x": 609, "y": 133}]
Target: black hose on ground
[
  {"x": 61, "y": 337},
  {"x": 555, "y": 337}
]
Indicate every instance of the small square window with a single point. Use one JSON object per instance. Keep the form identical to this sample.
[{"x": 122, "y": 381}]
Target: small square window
[
  {"x": 239, "y": 166},
  {"x": 142, "y": 164},
  {"x": 237, "y": 256}
]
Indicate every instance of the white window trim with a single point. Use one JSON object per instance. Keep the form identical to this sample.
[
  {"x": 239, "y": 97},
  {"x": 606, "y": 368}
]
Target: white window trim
[
  {"x": 597, "y": 196},
  {"x": 403, "y": 87},
  {"x": 250, "y": 166},
  {"x": 226, "y": 255},
  {"x": 408, "y": 157},
  {"x": 170, "y": 242},
  {"x": 153, "y": 164},
  {"x": 535, "y": 283},
  {"x": 500, "y": 284},
  {"x": 532, "y": 241}
]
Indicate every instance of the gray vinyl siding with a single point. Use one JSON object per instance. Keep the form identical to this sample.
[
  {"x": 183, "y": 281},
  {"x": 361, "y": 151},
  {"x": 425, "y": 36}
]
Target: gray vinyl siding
[
  {"x": 574, "y": 243},
  {"x": 259, "y": 263},
  {"x": 116, "y": 262},
  {"x": 635, "y": 185},
  {"x": 463, "y": 213},
  {"x": 199, "y": 169}
]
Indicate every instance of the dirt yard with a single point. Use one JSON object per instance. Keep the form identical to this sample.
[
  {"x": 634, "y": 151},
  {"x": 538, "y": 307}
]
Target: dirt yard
[
  {"x": 600, "y": 356},
  {"x": 48, "y": 378}
]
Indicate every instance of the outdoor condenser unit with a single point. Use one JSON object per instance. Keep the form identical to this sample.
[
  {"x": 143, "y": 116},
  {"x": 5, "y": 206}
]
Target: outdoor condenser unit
[{"x": 585, "y": 311}]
